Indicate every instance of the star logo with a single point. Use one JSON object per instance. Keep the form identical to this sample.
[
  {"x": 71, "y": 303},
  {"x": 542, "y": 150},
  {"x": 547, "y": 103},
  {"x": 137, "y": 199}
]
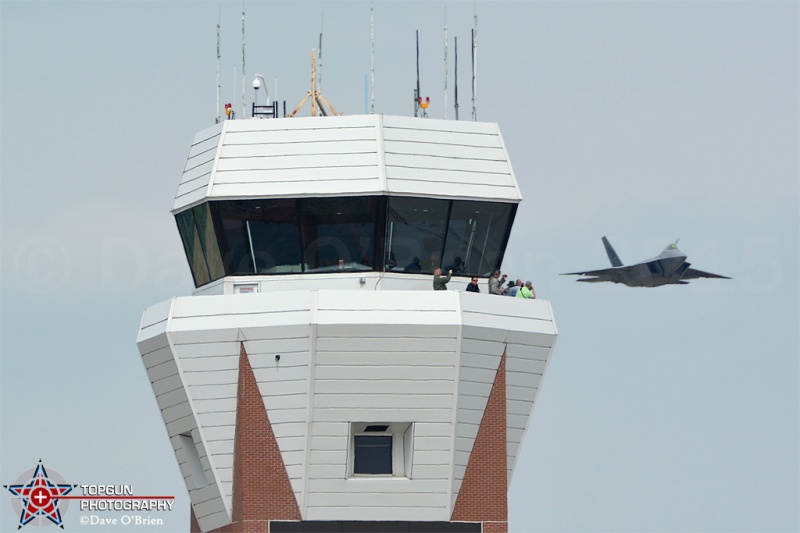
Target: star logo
[{"x": 37, "y": 495}]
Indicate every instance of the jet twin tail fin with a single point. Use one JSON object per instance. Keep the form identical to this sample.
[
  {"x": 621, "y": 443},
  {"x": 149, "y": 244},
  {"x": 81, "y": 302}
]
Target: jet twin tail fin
[{"x": 612, "y": 255}]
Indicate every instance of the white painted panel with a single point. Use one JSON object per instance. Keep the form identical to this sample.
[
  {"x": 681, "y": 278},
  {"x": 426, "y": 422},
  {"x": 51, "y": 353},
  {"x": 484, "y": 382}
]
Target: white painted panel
[
  {"x": 518, "y": 407},
  {"x": 167, "y": 384},
  {"x": 479, "y": 360},
  {"x": 280, "y": 388},
  {"x": 517, "y": 421},
  {"x": 330, "y": 429},
  {"x": 384, "y": 415},
  {"x": 217, "y": 419},
  {"x": 290, "y": 401},
  {"x": 213, "y": 392},
  {"x": 282, "y": 346},
  {"x": 522, "y": 379},
  {"x": 380, "y": 401},
  {"x": 222, "y": 377},
  {"x": 529, "y": 366},
  {"x": 169, "y": 399},
  {"x": 182, "y": 425},
  {"x": 477, "y": 140},
  {"x": 399, "y": 345},
  {"x": 223, "y": 460},
  {"x": 470, "y": 416},
  {"x": 329, "y": 443},
  {"x": 339, "y": 176},
  {"x": 308, "y": 160},
  {"x": 431, "y": 457},
  {"x": 216, "y": 406},
  {"x": 153, "y": 315},
  {"x": 152, "y": 338},
  {"x": 196, "y": 171},
  {"x": 483, "y": 347},
  {"x": 461, "y": 458},
  {"x": 459, "y": 151},
  {"x": 294, "y": 149},
  {"x": 391, "y": 512},
  {"x": 477, "y": 403},
  {"x": 193, "y": 306},
  {"x": 384, "y": 386},
  {"x": 211, "y": 349},
  {"x": 391, "y": 331},
  {"x": 279, "y": 416},
  {"x": 464, "y": 444},
  {"x": 327, "y": 457},
  {"x": 385, "y": 372},
  {"x": 480, "y": 375},
  {"x": 204, "y": 145},
  {"x": 211, "y": 434},
  {"x": 431, "y": 443},
  {"x": 283, "y": 190},
  {"x": 464, "y": 429},
  {"x": 431, "y": 472},
  {"x": 175, "y": 412},
  {"x": 358, "y": 486},
  {"x": 388, "y": 317},
  {"x": 521, "y": 393},
  {"x": 162, "y": 371},
  {"x": 431, "y": 430},
  {"x": 384, "y": 358},
  {"x": 311, "y": 136},
  {"x": 477, "y": 166},
  {"x": 472, "y": 388},
  {"x": 445, "y": 179},
  {"x": 157, "y": 357},
  {"x": 291, "y": 444},
  {"x": 210, "y": 364},
  {"x": 327, "y": 471},
  {"x": 278, "y": 372},
  {"x": 466, "y": 191}
]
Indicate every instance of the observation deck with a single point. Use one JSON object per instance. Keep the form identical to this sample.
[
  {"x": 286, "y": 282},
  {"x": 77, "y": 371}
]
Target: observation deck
[{"x": 382, "y": 198}]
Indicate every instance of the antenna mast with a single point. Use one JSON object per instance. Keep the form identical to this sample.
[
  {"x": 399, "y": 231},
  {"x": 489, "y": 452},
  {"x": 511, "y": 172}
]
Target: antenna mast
[
  {"x": 475, "y": 65},
  {"x": 244, "y": 104},
  {"x": 445, "y": 63},
  {"x": 416, "y": 93},
  {"x": 219, "y": 16},
  {"x": 316, "y": 97},
  {"x": 372, "y": 59},
  {"x": 319, "y": 71},
  {"x": 456, "y": 74}
]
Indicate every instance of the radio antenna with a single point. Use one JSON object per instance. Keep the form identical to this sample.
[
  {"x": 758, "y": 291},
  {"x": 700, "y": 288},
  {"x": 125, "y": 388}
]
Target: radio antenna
[
  {"x": 244, "y": 104},
  {"x": 372, "y": 58},
  {"x": 319, "y": 70},
  {"x": 475, "y": 65},
  {"x": 445, "y": 63},
  {"x": 219, "y": 17},
  {"x": 456, "y": 74},
  {"x": 416, "y": 93}
]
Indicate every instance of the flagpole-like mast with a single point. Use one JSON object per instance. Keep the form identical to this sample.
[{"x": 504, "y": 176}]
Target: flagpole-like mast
[
  {"x": 475, "y": 65},
  {"x": 372, "y": 58},
  {"x": 244, "y": 81},
  {"x": 455, "y": 39},
  {"x": 319, "y": 70},
  {"x": 445, "y": 63},
  {"x": 219, "y": 16}
]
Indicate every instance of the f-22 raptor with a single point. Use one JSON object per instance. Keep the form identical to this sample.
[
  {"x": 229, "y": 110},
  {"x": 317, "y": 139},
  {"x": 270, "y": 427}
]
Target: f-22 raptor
[{"x": 668, "y": 267}]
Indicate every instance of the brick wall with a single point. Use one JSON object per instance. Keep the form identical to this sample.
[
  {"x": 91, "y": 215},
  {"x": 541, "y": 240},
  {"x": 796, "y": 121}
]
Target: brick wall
[{"x": 483, "y": 496}]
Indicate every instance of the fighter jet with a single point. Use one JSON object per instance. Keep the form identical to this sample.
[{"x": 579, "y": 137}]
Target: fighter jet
[{"x": 668, "y": 267}]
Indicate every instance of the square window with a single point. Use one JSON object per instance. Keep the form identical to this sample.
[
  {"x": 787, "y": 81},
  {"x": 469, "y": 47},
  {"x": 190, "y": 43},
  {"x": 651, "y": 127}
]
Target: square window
[{"x": 373, "y": 454}]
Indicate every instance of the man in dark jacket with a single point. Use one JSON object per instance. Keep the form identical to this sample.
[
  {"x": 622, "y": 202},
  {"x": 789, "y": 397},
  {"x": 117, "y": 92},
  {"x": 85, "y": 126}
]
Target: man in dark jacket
[
  {"x": 473, "y": 286},
  {"x": 439, "y": 281}
]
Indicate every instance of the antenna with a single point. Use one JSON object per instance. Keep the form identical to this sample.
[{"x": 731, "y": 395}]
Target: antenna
[
  {"x": 372, "y": 60},
  {"x": 445, "y": 63},
  {"x": 456, "y": 76},
  {"x": 475, "y": 65},
  {"x": 219, "y": 16},
  {"x": 244, "y": 104},
  {"x": 315, "y": 96},
  {"x": 319, "y": 70},
  {"x": 416, "y": 93}
]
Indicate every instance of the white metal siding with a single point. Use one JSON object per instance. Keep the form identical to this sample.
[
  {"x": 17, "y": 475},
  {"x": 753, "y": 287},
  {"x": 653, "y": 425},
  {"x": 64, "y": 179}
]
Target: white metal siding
[{"x": 198, "y": 169}]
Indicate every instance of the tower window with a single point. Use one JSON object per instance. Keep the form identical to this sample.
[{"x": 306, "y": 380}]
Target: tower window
[{"x": 373, "y": 454}]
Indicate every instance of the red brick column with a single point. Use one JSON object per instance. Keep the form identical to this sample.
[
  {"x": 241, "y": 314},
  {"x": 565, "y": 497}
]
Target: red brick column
[
  {"x": 261, "y": 487},
  {"x": 483, "y": 496}
]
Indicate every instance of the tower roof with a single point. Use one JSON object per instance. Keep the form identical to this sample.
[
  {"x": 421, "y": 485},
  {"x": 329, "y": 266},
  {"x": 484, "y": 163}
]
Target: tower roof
[{"x": 347, "y": 156}]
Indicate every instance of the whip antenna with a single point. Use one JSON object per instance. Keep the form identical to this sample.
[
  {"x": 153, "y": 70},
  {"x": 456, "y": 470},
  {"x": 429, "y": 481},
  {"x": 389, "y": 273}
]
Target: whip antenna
[
  {"x": 219, "y": 17},
  {"x": 372, "y": 58},
  {"x": 475, "y": 65},
  {"x": 445, "y": 63},
  {"x": 456, "y": 74},
  {"x": 244, "y": 104},
  {"x": 416, "y": 93}
]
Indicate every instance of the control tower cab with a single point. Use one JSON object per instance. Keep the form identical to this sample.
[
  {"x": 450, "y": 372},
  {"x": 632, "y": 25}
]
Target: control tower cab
[{"x": 315, "y": 381}]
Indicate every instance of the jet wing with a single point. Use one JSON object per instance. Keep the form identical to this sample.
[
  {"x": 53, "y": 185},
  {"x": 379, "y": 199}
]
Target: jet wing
[
  {"x": 606, "y": 272},
  {"x": 691, "y": 273}
]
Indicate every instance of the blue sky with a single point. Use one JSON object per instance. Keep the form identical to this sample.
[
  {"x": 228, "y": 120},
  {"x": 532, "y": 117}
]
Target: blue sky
[{"x": 670, "y": 409}]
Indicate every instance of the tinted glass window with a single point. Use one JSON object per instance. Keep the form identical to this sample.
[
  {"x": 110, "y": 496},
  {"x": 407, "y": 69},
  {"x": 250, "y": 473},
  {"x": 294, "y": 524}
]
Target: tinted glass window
[
  {"x": 262, "y": 236},
  {"x": 338, "y": 233},
  {"x": 192, "y": 247},
  {"x": 373, "y": 454},
  {"x": 415, "y": 234},
  {"x": 208, "y": 240},
  {"x": 476, "y": 237}
]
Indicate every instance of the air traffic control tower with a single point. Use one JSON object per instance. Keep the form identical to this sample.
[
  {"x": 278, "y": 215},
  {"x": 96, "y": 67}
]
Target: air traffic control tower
[{"x": 315, "y": 382}]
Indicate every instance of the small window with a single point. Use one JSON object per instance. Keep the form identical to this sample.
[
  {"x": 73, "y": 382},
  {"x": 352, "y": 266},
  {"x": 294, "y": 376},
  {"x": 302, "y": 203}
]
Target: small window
[
  {"x": 380, "y": 449},
  {"x": 373, "y": 454}
]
